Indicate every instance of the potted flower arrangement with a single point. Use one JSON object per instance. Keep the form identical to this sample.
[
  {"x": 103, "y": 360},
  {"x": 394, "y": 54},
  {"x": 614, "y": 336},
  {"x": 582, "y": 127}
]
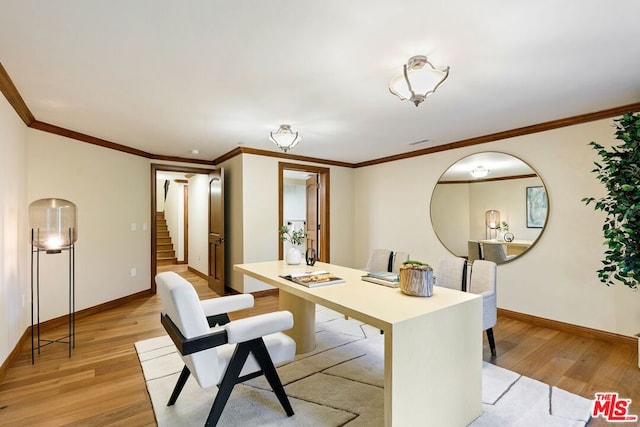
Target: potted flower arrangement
[{"x": 296, "y": 238}]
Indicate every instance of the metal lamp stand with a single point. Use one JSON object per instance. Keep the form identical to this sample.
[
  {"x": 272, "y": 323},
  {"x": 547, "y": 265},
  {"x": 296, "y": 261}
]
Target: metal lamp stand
[{"x": 70, "y": 338}]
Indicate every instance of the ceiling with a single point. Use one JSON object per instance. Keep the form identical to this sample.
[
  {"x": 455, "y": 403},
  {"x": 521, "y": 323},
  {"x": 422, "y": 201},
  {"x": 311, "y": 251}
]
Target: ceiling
[{"x": 167, "y": 77}]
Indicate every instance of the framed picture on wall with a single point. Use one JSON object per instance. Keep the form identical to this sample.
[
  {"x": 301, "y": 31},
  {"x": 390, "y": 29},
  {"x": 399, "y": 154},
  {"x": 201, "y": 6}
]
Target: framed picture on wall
[{"x": 536, "y": 207}]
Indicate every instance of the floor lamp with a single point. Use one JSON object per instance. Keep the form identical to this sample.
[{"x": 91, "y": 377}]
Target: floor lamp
[{"x": 53, "y": 231}]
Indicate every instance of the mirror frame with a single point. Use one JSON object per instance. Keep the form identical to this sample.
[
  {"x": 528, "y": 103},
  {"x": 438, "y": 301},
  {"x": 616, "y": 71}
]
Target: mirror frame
[{"x": 490, "y": 179}]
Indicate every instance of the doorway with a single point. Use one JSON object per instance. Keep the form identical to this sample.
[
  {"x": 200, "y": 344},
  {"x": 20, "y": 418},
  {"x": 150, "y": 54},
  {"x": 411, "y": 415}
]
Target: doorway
[
  {"x": 310, "y": 186},
  {"x": 174, "y": 184}
]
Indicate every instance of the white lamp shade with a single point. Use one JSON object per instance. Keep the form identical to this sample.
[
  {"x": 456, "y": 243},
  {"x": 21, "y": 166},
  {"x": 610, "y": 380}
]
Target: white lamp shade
[
  {"x": 492, "y": 219},
  {"x": 285, "y": 138},
  {"x": 418, "y": 80},
  {"x": 53, "y": 223}
]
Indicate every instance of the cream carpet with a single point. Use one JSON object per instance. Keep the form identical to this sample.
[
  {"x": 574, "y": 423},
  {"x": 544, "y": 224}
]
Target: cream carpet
[{"x": 340, "y": 383}]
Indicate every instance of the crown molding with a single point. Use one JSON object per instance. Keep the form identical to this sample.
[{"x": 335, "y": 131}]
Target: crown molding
[
  {"x": 526, "y": 130},
  {"x": 10, "y": 92},
  {"x": 15, "y": 99}
]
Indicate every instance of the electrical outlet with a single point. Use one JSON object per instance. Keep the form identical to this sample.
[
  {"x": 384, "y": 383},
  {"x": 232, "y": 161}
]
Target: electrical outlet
[
  {"x": 144, "y": 226},
  {"x": 134, "y": 272}
]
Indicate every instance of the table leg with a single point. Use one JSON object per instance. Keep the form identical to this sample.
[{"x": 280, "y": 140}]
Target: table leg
[{"x": 304, "y": 321}]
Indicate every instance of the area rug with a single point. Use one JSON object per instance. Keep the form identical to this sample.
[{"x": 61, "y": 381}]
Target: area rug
[{"x": 341, "y": 383}]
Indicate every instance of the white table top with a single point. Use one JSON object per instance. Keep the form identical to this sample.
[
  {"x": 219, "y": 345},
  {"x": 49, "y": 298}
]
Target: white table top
[{"x": 377, "y": 305}]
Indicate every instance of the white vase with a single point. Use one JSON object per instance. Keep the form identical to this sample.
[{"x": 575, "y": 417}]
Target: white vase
[{"x": 293, "y": 256}]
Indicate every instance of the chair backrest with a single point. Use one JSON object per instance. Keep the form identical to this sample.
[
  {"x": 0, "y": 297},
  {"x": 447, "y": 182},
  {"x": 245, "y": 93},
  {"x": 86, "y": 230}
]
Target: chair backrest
[
  {"x": 451, "y": 273},
  {"x": 398, "y": 259},
  {"x": 380, "y": 260},
  {"x": 483, "y": 281},
  {"x": 474, "y": 253},
  {"x": 494, "y": 252},
  {"x": 182, "y": 305}
]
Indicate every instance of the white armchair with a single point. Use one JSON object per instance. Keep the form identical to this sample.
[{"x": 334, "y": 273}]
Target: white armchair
[
  {"x": 483, "y": 282},
  {"x": 451, "y": 273},
  {"x": 215, "y": 350}
]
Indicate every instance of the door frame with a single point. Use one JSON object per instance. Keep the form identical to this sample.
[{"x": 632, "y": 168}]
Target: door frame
[
  {"x": 155, "y": 168},
  {"x": 323, "y": 205}
]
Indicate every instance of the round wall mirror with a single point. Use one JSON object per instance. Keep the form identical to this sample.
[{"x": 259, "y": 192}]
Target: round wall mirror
[{"x": 489, "y": 206}]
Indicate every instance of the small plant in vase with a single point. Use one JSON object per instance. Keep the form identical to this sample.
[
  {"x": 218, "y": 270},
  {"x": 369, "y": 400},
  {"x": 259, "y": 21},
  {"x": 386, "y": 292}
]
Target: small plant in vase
[{"x": 296, "y": 238}]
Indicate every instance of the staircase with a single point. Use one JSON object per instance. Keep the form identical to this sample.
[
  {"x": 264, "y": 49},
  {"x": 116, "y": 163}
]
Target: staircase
[{"x": 165, "y": 254}]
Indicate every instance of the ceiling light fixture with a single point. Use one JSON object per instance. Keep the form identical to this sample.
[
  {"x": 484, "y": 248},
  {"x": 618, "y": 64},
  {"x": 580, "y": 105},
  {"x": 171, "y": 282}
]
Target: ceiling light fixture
[
  {"x": 418, "y": 80},
  {"x": 284, "y": 138},
  {"x": 480, "y": 172}
]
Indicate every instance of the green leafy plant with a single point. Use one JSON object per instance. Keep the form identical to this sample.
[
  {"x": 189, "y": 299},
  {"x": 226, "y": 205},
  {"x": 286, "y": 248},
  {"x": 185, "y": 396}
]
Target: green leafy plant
[
  {"x": 294, "y": 237},
  {"x": 503, "y": 226},
  {"x": 619, "y": 172},
  {"x": 414, "y": 262}
]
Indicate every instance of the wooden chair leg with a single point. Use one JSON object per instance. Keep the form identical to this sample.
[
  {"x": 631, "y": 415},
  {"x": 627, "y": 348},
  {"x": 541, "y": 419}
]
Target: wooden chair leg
[
  {"x": 229, "y": 380},
  {"x": 182, "y": 380},
  {"x": 492, "y": 342},
  {"x": 261, "y": 354}
]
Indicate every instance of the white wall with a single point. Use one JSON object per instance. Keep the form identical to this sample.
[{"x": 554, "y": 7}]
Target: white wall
[
  {"x": 112, "y": 192},
  {"x": 199, "y": 223},
  {"x": 233, "y": 221},
  {"x": 254, "y": 179},
  {"x": 556, "y": 279},
  {"x": 14, "y": 234}
]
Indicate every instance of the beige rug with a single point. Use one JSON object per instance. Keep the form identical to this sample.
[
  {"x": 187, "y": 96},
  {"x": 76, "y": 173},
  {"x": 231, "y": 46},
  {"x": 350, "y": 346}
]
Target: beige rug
[{"x": 341, "y": 383}]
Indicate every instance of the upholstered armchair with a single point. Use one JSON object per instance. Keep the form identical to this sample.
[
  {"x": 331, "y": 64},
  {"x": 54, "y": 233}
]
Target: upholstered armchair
[
  {"x": 217, "y": 351},
  {"x": 483, "y": 282},
  {"x": 451, "y": 273},
  {"x": 495, "y": 252}
]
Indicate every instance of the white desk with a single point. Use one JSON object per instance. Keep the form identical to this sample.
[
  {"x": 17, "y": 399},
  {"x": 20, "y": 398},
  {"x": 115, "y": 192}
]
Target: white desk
[{"x": 433, "y": 346}]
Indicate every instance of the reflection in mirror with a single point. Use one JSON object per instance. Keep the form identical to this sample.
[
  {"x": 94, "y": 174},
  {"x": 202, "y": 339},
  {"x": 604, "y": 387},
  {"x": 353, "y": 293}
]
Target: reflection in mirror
[{"x": 490, "y": 206}]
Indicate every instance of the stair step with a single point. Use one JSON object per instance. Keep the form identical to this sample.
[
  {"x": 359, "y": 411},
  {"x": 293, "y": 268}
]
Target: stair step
[
  {"x": 164, "y": 247},
  {"x": 164, "y": 241},
  {"x": 167, "y": 261},
  {"x": 166, "y": 254},
  {"x": 162, "y": 234}
]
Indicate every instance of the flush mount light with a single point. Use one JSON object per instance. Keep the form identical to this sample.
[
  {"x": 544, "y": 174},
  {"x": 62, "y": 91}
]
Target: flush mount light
[
  {"x": 480, "y": 172},
  {"x": 418, "y": 80},
  {"x": 284, "y": 138},
  {"x": 195, "y": 151}
]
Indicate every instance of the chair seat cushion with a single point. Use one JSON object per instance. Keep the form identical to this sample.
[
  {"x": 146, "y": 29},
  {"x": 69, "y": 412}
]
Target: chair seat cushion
[{"x": 281, "y": 347}]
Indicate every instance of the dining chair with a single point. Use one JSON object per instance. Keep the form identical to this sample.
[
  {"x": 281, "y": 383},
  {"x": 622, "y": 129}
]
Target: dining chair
[
  {"x": 380, "y": 260},
  {"x": 215, "y": 350},
  {"x": 495, "y": 252},
  {"x": 398, "y": 259},
  {"x": 474, "y": 250},
  {"x": 451, "y": 273},
  {"x": 483, "y": 282}
]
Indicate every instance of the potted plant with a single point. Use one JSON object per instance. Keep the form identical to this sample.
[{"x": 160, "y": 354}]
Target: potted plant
[
  {"x": 619, "y": 171},
  {"x": 296, "y": 238}
]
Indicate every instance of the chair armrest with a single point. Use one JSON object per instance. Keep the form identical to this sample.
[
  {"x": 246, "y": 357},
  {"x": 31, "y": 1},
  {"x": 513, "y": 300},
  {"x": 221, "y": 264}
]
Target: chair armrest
[
  {"x": 258, "y": 326},
  {"x": 188, "y": 346},
  {"x": 214, "y": 306}
]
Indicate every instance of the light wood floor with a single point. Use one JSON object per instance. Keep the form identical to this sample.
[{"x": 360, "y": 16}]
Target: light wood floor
[{"x": 102, "y": 383}]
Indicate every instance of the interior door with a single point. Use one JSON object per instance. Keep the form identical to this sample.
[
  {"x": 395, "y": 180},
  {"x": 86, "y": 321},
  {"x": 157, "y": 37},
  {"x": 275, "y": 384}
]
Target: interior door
[
  {"x": 312, "y": 214},
  {"x": 216, "y": 231}
]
